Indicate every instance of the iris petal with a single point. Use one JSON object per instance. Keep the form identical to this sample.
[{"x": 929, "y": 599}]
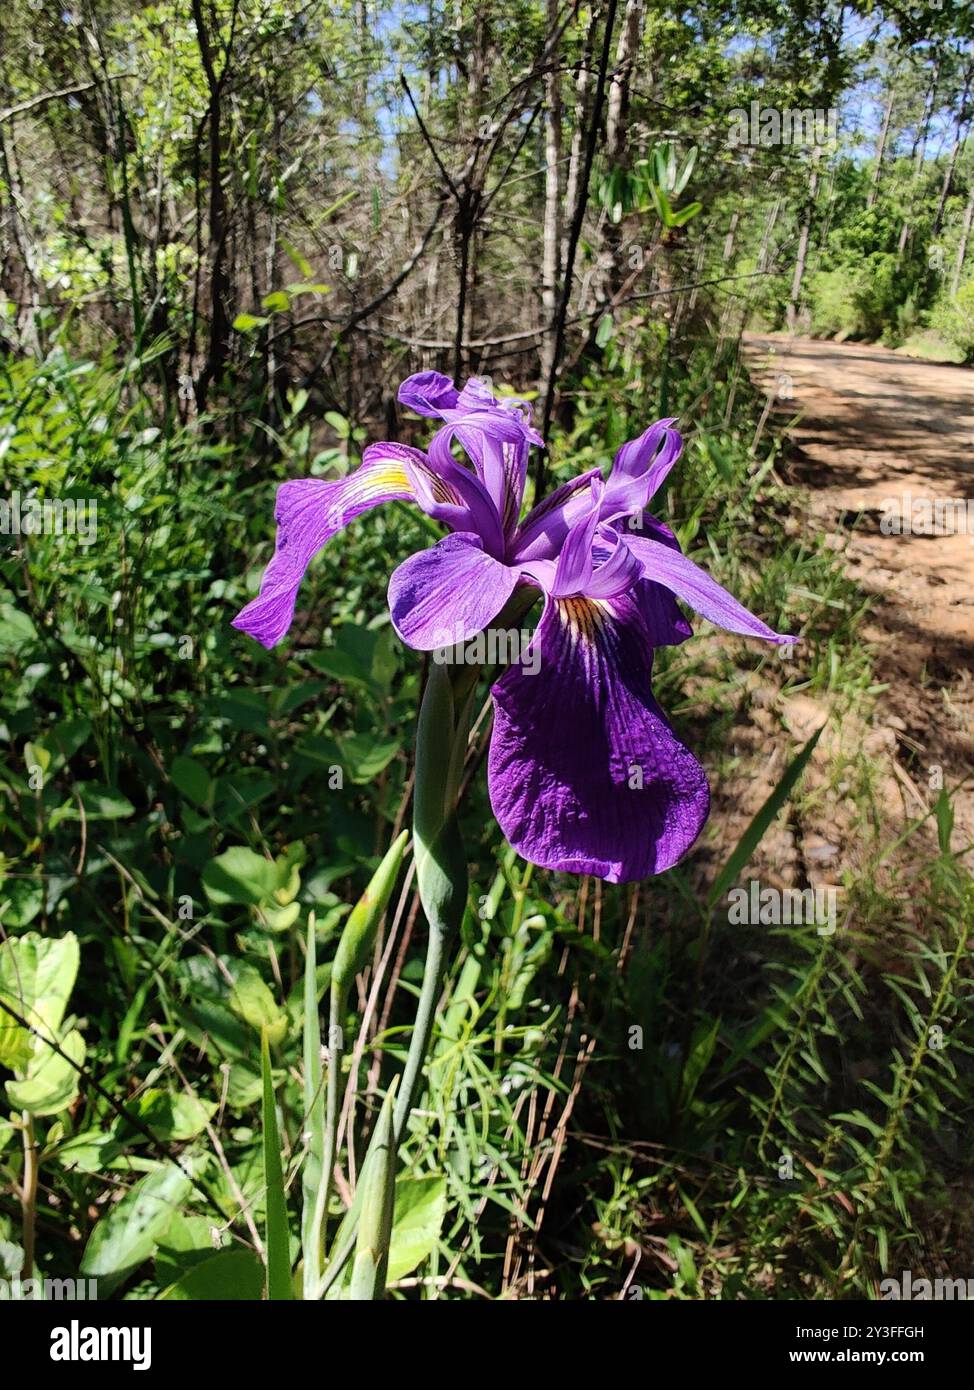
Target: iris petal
[
  {"x": 543, "y": 530},
  {"x": 664, "y": 617},
  {"x": 585, "y": 773},
  {"x": 640, "y": 468},
  {"x": 446, "y": 594},
  {"x": 689, "y": 582},
  {"x": 428, "y": 393},
  {"x": 309, "y": 511}
]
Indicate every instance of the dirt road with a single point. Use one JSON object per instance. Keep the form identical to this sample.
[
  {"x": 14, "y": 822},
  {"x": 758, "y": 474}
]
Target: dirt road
[{"x": 884, "y": 444}]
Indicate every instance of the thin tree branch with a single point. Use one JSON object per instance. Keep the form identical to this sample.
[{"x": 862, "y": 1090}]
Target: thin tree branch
[{"x": 45, "y": 97}]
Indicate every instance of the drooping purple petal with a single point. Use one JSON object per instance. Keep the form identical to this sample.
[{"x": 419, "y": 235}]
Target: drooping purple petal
[
  {"x": 585, "y": 773},
  {"x": 309, "y": 511},
  {"x": 665, "y": 623},
  {"x": 664, "y": 565},
  {"x": 664, "y": 617},
  {"x": 443, "y": 596}
]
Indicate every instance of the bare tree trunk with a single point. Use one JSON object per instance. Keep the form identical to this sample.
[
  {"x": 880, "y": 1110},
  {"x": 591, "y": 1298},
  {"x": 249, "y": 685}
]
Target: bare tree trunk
[
  {"x": 804, "y": 237},
  {"x": 618, "y": 102},
  {"x": 881, "y": 147},
  {"x": 578, "y": 136},
  {"x": 955, "y": 150},
  {"x": 965, "y": 236},
  {"x": 219, "y": 345},
  {"x": 769, "y": 227},
  {"x": 919, "y": 151},
  {"x": 551, "y": 237},
  {"x": 730, "y": 238},
  {"x": 616, "y": 143},
  {"x": 575, "y": 231}
]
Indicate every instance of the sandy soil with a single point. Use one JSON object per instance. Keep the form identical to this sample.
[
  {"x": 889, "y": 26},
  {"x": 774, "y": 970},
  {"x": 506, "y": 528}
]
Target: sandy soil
[{"x": 869, "y": 425}]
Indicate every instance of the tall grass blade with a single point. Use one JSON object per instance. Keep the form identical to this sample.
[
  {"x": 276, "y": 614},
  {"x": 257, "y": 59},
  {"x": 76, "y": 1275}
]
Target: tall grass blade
[
  {"x": 758, "y": 828},
  {"x": 277, "y": 1240}
]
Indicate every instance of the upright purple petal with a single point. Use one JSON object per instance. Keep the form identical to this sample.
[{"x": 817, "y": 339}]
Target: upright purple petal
[
  {"x": 585, "y": 773},
  {"x": 433, "y": 394},
  {"x": 477, "y": 395},
  {"x": 428, "y": 393},
  {"x": 541, "y": 534},
  {"x": 483, "y": 515},
  {"x": 640, "y": 468},
  {"x": 496, "y": 445},
  {"x": 443, "y": 596},
  {"x": 689, "y": 582},
  {"x": 616, "y": 570},
  {"x": 575, "y": 560},
  {"x": 309, "y": 511}
]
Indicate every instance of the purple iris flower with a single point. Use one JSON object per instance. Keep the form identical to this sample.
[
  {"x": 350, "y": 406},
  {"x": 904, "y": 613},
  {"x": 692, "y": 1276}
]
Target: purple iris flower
[{"x": 585, "y": 773}]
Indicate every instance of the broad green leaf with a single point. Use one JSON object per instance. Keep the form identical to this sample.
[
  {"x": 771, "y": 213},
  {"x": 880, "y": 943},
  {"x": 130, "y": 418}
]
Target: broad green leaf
[
  {"x": 246, "y": 323},
  {"x": 97, "y": 803},
  {"x": 239, "y": 875},
  {"x": 16, "y": 628},
  {"x": 37, "y": 975},
  {"x": 338, "y": 423},
  {"x": 51, "y": 1082},
  {"x": 281, "y": 918},
  {"x": 365, "y": 756},
  {"x": 90, "y": 1152},
  {"x": 277, "y": 301},
  {"x": 193, "y": 780},
  {"x": 252, "y": 1000},
  {"x": 229, "y": 1274},
  {"x": 174, "y": 1115},
  {"x": 419, "y": 1211},
  {"x": 127, "y": 1234}
]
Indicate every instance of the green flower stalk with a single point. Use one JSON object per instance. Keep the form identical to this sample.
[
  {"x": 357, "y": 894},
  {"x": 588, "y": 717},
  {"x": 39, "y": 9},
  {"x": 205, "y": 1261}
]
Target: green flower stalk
[
  {"x": 441, "y": 866},
  {"x": 441, "y": 874},
  {"x": 354, "y": 947}
]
